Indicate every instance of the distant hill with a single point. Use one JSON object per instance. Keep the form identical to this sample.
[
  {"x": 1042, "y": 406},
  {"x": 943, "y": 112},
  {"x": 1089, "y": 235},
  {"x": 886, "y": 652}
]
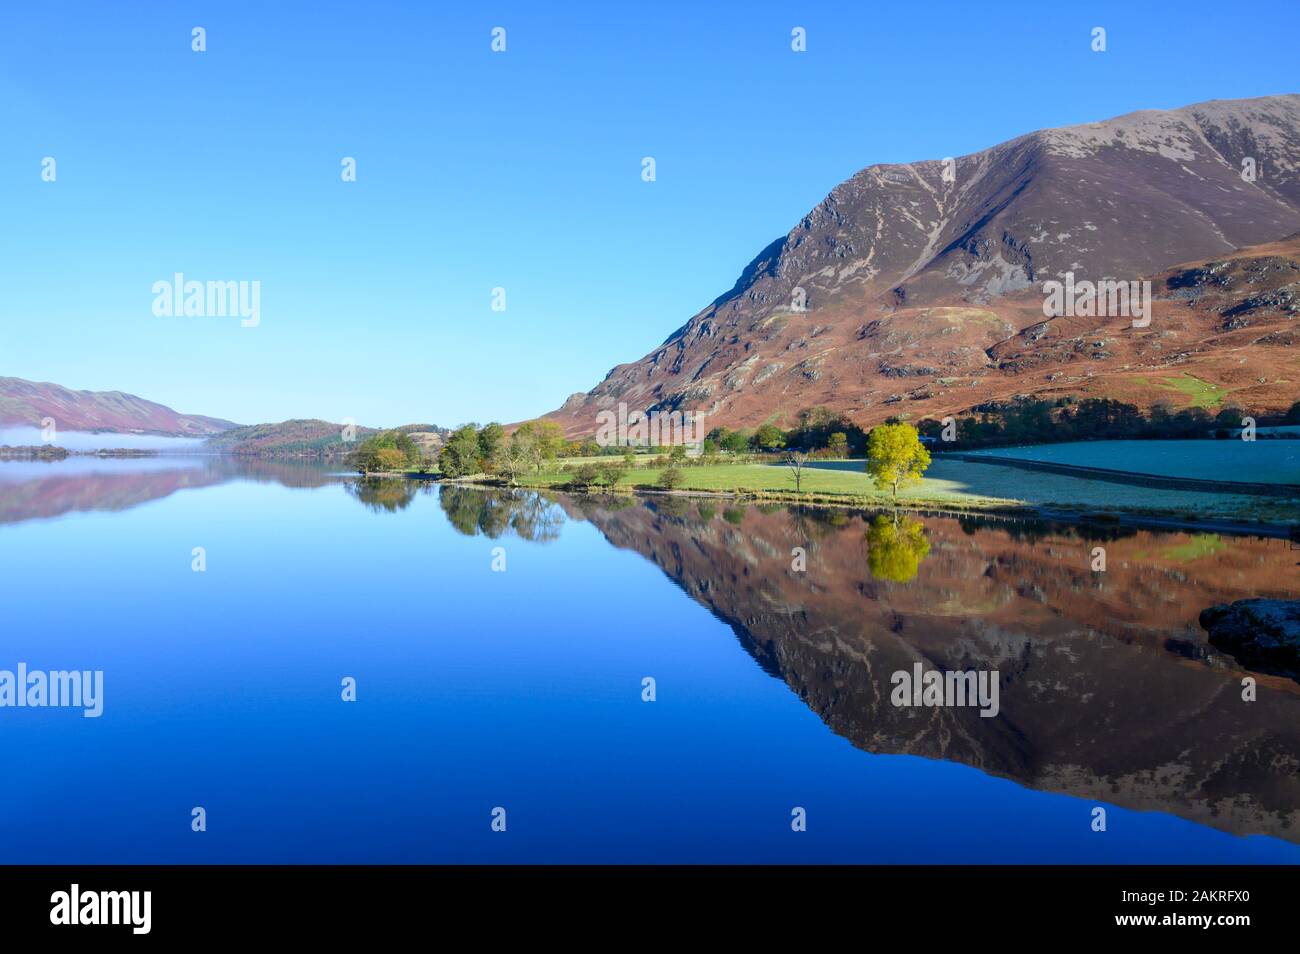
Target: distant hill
[
  {"x": 313, "y": 438},
  {"x": 428, "y": 437},
  {"x": 298, "y": 438},
  {"x": 27, "y": 403}
]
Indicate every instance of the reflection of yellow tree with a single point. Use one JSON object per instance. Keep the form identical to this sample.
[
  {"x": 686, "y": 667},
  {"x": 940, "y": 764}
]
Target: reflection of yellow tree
[{"x": 897, "y": 548}]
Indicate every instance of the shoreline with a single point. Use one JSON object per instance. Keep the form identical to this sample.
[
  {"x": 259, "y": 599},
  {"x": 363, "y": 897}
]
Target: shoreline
[{"x": 986, "y": 507}]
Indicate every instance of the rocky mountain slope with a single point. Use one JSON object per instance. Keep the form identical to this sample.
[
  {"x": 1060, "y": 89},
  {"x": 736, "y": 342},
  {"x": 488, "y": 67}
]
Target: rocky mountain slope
[
  {"x": 921, "y": 284},
  {"x": 27, "y": 403}
]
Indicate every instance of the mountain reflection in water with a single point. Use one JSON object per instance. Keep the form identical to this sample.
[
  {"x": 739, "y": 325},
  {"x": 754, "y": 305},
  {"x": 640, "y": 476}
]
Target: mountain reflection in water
[{"x": 1109, "y": 688}]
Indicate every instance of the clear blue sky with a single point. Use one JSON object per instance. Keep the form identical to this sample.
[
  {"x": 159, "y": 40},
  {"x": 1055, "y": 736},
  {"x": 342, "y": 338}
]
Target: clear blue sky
[{"x": 477, "y": 170}]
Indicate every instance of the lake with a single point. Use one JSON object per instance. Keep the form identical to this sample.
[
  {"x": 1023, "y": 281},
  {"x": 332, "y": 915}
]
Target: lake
[{"x": 500, "y": 642}]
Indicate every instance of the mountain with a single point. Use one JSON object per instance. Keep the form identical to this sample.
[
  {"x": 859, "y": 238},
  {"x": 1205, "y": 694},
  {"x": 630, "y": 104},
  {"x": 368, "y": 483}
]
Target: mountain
[
  {"x": 27, "y": 403},
  {"x": 922, "y": 282},
  {"x": 314, "y": 438}
]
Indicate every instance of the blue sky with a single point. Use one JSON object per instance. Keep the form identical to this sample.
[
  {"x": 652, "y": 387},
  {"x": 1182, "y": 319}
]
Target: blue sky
[{"x": 477, "y": 170}]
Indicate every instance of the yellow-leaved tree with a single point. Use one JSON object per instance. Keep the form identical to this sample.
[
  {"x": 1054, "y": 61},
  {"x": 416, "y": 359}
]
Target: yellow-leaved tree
[{"x": 896, "y": 456}]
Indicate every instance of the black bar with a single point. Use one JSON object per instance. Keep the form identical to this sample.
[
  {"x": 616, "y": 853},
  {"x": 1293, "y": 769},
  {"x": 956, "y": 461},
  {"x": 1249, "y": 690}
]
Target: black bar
[{"x": 657, "y": 904}]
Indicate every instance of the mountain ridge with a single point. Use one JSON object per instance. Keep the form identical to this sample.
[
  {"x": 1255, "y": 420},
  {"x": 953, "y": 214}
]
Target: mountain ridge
[
  {"x": 26, "y": 403},
  {"x": 1123, "y": 198}
]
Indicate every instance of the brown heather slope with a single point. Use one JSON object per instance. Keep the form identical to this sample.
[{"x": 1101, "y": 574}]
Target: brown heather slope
[{"x": 924, "y": 296}]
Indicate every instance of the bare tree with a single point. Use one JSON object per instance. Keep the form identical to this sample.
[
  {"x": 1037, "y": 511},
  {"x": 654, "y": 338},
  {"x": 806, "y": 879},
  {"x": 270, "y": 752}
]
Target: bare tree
[
  {"x": 797, "y": 460},
  {"x": 515, "y": 456}
]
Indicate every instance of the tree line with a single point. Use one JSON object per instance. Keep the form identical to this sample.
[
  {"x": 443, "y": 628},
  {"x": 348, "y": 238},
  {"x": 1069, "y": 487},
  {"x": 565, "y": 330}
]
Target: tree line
[
  {"x": 1029, "y": 420},
  {"x": 819, "y": 431}
]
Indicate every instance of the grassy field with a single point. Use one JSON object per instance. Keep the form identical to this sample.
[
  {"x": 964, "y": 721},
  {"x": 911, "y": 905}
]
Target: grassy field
[
  {"x": 1263, "y": 461},
  {"x": 823, "y": 480},
  {"x": 957, "y": 485},
  {"x": 1060, "y": 491}
]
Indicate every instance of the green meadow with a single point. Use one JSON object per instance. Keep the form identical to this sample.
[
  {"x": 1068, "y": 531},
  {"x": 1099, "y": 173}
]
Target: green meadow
[
  {"x": 1196, "y": 392},
  {"x": 948, "y": 484}
]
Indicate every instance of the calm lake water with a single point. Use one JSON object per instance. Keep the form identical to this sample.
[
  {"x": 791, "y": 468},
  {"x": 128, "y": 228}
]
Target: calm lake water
[{"x": 522, "y": 689}]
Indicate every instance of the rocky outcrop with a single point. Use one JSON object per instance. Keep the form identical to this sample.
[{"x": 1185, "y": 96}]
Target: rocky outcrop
[{"x": 1260, "y": 632}]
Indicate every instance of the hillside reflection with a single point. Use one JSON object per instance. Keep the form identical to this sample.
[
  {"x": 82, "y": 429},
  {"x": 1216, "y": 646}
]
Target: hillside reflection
[
  {"x": 1109, "y": 689},
  {"x": 40, "y": 491}
]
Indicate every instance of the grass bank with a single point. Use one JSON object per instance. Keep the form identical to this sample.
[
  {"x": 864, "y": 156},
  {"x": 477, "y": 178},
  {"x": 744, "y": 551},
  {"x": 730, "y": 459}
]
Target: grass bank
[
  {"x": 775, "y": 481},
  {"x": 953, "y": 485}
]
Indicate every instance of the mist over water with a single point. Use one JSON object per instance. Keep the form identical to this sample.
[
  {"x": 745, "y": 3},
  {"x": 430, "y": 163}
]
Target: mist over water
[{"x": 87, "y": 441}]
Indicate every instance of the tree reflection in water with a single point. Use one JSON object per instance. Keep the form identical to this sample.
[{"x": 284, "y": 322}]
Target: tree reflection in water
[
  {"x": 492, "y": 512},
  {"x": 384, "y": 494},
  {"x": 896, "y": 547}
]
